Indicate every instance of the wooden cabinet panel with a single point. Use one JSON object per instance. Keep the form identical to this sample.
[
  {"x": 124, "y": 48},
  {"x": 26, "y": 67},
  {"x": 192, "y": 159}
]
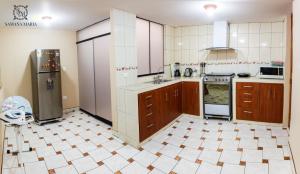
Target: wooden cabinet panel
[
  {"x": 166, "y": 105},
  {"x": 148, "y": 114},
  {"x": 271, "y": 103},
  {"x": 190, "y": 98},
  {"x": 260, "y": 102},
  {"x": 179, "y": 99}
]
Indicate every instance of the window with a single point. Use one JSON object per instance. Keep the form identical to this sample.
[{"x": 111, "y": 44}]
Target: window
[{"x": 150, "y": 47}]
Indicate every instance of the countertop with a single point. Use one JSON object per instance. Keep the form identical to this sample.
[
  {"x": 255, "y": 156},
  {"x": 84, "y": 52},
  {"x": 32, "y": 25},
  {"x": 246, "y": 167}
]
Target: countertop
[
  {"x": 257, "y": 80},
  {"x": 147, "y": 86}
]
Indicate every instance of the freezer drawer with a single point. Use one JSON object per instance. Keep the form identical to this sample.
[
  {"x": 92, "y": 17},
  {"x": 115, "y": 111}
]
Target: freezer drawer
[{"x": 49, "y": 96}]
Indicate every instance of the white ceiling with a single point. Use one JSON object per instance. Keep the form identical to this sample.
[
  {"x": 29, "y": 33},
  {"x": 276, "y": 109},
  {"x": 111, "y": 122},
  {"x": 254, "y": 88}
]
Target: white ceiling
[{"x": 76, "y": 14}]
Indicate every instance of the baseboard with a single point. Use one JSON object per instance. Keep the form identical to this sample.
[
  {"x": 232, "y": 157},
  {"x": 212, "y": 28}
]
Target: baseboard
[{"x": 97, "y": 117}]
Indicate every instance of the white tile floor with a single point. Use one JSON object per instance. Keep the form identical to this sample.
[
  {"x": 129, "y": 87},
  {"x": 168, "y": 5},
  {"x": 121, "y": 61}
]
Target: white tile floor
[{"x": 82, "y": 144}]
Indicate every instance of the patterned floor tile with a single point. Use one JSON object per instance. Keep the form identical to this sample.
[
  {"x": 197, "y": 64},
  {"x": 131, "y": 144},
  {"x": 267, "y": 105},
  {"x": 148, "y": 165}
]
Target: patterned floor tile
[{"x": 82, "y": 144}]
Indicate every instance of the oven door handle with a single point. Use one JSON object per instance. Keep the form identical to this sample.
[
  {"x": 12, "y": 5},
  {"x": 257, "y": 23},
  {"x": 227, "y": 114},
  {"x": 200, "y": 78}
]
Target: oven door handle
[{"x": 217, "y": 83}]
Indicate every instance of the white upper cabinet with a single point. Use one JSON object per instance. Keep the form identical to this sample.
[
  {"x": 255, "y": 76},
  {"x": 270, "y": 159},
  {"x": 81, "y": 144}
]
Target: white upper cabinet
[
  {"x": 94, "y": 30},
  {"x": 156, "y": 48},
  {"x": 150, "y": 47},
  {"x": 143, "y": 48}
]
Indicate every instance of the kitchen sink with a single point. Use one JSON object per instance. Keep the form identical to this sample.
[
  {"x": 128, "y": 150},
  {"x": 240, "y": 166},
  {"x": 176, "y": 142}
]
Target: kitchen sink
[{"x": 160, "y": 81}]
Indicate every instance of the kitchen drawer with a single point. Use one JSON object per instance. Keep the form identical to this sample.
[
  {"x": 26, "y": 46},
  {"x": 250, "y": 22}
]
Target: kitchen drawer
[
  {"x": 247, "y": 99},
  {"x": 147, "y": 98},
  {"x": 247, "y": 87},
  {"x": 246, "y": 113},
  {"x": 248, "y": 104}
]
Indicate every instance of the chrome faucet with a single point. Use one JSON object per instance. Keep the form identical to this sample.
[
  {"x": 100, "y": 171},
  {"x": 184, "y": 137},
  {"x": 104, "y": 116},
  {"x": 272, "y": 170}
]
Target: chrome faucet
[{"x": 159, "y": 78}]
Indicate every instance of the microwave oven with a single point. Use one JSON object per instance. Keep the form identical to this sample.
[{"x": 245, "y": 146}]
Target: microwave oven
[{"x": 271, "y": 73}]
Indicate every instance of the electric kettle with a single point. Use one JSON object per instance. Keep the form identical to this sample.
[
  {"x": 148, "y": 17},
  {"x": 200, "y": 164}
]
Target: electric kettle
[{"x": 188, "y": 72}]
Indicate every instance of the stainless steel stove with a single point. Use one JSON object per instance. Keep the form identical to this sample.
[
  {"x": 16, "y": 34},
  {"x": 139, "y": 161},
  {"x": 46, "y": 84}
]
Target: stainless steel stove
[{"x": 217, "y": 95}]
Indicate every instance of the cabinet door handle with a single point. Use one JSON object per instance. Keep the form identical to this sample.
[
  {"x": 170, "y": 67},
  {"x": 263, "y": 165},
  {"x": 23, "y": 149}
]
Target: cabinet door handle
[
  {"x": 248, "y": 112},
  {"x": 166, "y": 96},
  {"x": 247, "y": 101},
  {"x": 151, "y": 125},
  {"x": 246, "y": 93},
  {"x": 148, "y": 106},
  {"x": 149, "y": 114},
  {"x": 148, "y": 97},
  {"x": 247, "y": 86}
]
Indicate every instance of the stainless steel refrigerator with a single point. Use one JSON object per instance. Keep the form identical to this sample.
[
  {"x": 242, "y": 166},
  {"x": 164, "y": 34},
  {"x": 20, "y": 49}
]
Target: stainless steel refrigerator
[{"x": 46, "y": 85}]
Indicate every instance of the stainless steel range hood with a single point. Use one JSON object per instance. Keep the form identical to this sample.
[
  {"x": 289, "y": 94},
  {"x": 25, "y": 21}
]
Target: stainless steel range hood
[{"x": 220, "y": 36}]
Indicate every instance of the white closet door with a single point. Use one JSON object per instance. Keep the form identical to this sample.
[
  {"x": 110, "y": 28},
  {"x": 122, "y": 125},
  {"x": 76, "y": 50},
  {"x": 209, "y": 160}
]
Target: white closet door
[
  {"x": 157, "y": 47},
  {"x": 142, "y": 37},
  {"x": 86, "y": 76},
  {"x": 102, "y": 77}
]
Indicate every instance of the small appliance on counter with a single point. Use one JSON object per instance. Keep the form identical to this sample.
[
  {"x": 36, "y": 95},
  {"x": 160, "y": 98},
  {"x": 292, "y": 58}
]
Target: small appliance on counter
[
  {"x": 202, "y": 69},
  {"x": 188, "y": 72},
  {"x": 195, "y": 73},
  {"x": 272, "y": 72},
  {"x": 177, "y": 70},
  {"x": 243, "y": 75}
]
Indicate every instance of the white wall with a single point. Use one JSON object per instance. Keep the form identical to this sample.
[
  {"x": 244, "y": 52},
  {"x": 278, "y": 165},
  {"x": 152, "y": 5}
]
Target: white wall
[
  {"x": 16, "y": 44},
  {"x": 295, "y": 117}
]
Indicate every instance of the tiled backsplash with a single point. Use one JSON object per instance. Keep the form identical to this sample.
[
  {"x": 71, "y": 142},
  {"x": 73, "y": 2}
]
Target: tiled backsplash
[{"x": 255, "y": 44}]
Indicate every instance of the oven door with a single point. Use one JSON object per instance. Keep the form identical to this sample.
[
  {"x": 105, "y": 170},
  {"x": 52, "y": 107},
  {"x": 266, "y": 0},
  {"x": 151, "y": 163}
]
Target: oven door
[{"x": 217, "y": 98}]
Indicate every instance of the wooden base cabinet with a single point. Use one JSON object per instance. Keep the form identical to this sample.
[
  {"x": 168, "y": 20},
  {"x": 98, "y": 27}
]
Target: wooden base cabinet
[
  {"x": 190, "y": 98},
  {"x": 159, "y": 107},
  {"x": 271, "y": 103},
  {"x": 148, "y": 114},
  {"x": 259, "y": 102}
]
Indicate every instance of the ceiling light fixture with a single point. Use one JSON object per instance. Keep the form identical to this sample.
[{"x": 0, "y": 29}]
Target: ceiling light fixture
[
  {"x": 46, "y": 17},
  {"x": 46, "y": 20},
  {"x": 210, "y": 9}
]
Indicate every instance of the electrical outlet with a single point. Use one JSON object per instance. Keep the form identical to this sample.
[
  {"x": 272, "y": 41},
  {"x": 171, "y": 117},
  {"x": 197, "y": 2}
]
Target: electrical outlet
[
  {"x": 65, "y": 97},
  {"x": 64, "y": 68}
]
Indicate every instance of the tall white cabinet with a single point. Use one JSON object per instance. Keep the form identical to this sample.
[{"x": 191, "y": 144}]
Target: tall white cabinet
[
  {"x": 86, "y": 76},
  {"x": 94, "y": 70},
  {"x": 102, "y": 77}
]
